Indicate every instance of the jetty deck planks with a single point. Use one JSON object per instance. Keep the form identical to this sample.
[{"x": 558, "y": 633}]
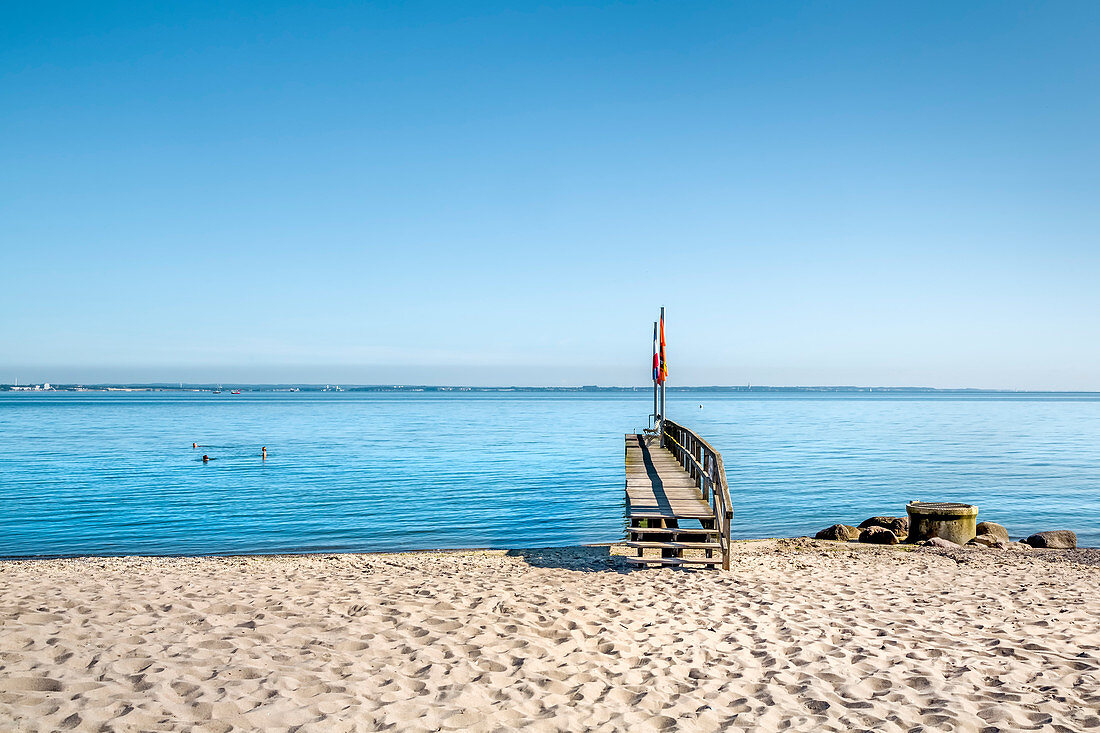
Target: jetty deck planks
[
  {"x": 660, "y": 495},
  {"x": 657, "y": 486}
]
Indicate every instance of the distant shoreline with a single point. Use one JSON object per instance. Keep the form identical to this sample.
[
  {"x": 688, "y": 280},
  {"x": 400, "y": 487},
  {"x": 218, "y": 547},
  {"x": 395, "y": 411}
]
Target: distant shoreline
[{"x": 713, "y": 389}]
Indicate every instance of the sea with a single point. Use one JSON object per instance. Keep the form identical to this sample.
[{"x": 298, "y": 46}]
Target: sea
[{"x": 93, "y": 473}]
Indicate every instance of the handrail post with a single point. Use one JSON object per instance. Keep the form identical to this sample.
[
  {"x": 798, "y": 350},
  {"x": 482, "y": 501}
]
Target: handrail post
[{"x": 728, "y": 532}]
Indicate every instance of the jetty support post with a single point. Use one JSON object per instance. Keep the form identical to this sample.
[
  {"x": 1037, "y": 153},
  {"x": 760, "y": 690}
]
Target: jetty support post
[
  {"x": 656, "y": 356},
  {"x": 660, "y": 372}
]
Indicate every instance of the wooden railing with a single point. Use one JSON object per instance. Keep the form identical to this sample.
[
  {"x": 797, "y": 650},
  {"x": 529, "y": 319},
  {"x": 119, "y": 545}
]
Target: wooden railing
[{"x": 704, "y": 464}]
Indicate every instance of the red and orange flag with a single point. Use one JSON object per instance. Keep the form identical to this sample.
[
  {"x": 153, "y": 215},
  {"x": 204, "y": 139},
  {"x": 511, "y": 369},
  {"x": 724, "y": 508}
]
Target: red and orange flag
[{"x": 662, "y": 370}]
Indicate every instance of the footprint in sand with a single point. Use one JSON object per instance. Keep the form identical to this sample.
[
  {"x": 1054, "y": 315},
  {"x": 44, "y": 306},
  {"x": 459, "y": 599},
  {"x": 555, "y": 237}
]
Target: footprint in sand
[{"x": 30, "y": 684}]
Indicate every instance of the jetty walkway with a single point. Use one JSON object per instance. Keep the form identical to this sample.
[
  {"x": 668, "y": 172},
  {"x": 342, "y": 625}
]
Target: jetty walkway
[{"x": 677, "y": 499}]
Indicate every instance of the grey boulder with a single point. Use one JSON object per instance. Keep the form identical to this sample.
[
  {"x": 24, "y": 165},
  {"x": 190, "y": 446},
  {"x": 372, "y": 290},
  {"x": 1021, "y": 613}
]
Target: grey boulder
[
  {"x": 898, "y": 525},
  {"x": 838, "y": 532},
  {"x": 878, "y": 536},
  {"x": 1060, "y": 539},
  {"x": 994, "y": 529},
  {"x": 987, "y": 540},
  {"x": 941, "y": 543}
]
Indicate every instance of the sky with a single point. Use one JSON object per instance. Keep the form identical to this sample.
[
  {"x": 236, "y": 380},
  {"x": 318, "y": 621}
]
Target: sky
[{"x": 883, "y": 194}]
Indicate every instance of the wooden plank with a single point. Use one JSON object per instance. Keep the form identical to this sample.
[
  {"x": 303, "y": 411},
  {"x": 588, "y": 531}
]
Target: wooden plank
[
  {"x": 671, "y": 530},
  {"x": 662, "y": 486},
  {"x": 674, "y": 561},
  {"x": 685, "y": 494},
  {"x": 655, "y": 512},
  {"x": 678, "y": 494},
  {"x": 669, "y": 497},
  {"x": 665, "y": 489},
  {"x": 686, "y": 501},
  {"x": 661, "y": 476},
  {"x": 672, "y": 544},
  {"x": 669, "y": 490}
]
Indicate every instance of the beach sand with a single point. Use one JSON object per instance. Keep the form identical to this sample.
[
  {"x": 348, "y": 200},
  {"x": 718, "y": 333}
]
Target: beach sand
[{"x": 800, "y": 634}]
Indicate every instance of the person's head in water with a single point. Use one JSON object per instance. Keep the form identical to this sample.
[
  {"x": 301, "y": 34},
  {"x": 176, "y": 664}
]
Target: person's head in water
[
  {"x": 263, "y": 451},
  {"x": 194, "y": 445},
  {"x": 205, "y": 458}
]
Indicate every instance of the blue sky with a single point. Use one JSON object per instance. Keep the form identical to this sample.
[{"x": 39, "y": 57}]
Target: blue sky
[{"x": 504, "y": 193}]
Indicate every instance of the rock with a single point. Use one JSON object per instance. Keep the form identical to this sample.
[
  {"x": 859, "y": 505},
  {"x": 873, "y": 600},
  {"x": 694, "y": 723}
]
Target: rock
[
  {"x": 987, "y": 540},
  {"x": 838, "y": 532},
  {"x": 878, "y": 536},
  {"x": 940, "y": 543},
  {"x": 994, "y": 529},
  {"x": 1061, "y": 539},
  {"x": 898, "y": 525}
]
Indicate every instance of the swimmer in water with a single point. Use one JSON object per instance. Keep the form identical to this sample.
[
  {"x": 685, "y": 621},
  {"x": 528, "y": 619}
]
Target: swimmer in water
[
  {"x": 263, "y": 452},
  {"x": 205, "y": 458},
  {"x": 194, "y": 445}
]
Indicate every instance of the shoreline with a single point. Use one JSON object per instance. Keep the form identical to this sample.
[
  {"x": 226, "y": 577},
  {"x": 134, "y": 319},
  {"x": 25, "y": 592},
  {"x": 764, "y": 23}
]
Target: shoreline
[
  {"x": 621, "y": 544},
  {"x": 815, "y": 634}
]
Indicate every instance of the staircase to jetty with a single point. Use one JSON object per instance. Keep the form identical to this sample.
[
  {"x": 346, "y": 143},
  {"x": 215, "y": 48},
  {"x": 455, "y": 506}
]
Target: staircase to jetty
[{"x": 677, "y": 499}]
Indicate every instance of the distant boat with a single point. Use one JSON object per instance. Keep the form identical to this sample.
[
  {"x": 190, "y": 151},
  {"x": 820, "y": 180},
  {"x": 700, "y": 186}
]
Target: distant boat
[{"x": 236, "y": 391}]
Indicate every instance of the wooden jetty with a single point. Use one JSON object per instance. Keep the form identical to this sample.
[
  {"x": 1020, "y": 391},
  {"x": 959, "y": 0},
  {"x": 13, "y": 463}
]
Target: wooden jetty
[{"x": 677, "y": 499}]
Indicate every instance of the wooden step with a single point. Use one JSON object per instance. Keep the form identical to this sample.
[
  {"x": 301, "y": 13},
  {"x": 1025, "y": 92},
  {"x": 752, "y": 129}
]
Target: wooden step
[
  {"x": 675, "y": 545},
  {"x": 674, "y": 561},
  {"x": 671, "y": 530}
]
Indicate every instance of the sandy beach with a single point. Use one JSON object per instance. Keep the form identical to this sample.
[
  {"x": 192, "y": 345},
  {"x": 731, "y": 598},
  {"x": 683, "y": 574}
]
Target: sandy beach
[{"x": 800, "y": 635}]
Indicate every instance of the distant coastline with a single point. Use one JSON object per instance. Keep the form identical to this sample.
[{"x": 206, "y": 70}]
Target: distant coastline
[{"x": 716, "y": 389}]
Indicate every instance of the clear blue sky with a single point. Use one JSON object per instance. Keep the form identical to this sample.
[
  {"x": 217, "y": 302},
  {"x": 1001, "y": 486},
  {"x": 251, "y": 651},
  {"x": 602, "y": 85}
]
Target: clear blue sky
[{"x": 820, "y": 193}]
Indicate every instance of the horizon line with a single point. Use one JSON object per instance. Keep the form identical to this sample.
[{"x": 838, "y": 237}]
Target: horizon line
[{"x": 345, "y": 386}]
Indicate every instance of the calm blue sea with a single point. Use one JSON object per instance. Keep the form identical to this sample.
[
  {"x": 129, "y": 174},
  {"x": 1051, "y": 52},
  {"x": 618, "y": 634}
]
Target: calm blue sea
[{"x": 91, "y": 473}]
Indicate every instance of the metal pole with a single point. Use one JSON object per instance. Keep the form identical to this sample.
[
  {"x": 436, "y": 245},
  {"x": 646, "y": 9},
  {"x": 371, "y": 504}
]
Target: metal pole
[
  {"x": 655, "y": 357},
  {"x": 661, "y": 365}
]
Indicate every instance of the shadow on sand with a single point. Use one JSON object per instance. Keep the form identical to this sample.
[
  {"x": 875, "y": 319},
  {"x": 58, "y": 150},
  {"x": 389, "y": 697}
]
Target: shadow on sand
[{"x": 583, "y": 559}]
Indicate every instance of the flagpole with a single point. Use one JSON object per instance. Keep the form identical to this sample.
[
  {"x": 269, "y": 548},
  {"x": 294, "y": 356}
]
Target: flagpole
[
  {"x": 662, "y": 366},
  {"x": 654, "y": 372}
]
